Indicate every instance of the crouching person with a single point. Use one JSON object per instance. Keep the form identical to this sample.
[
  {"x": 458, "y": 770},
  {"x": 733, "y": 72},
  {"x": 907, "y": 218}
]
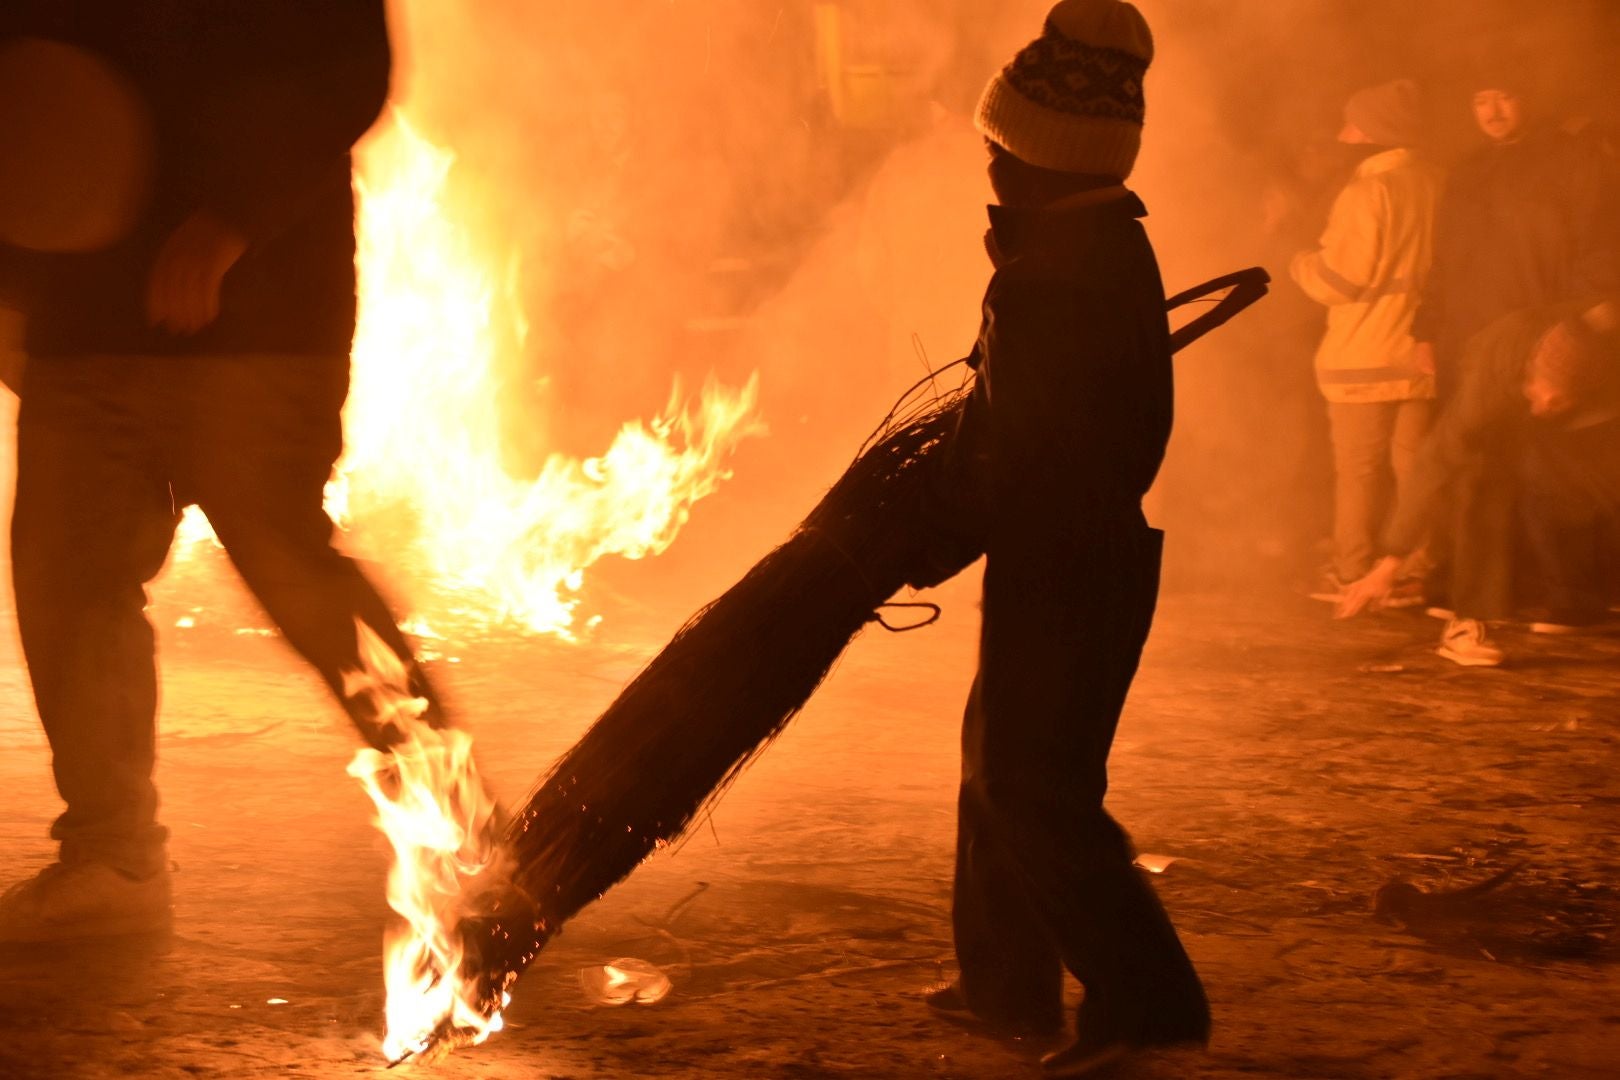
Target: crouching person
[{"x": 1536, "y": 414}]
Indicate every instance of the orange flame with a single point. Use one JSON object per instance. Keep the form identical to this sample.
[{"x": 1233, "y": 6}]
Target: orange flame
[
  {"x": 423, "y": 423},
  {"x": 437, "y": 313},
  {"x": 440, "y": 820}
]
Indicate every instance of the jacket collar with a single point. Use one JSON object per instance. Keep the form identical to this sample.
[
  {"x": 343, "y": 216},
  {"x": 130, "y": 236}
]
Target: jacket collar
[
  {"x": 1018, "y": 230},
  {"x": 1383, "y": 162}
]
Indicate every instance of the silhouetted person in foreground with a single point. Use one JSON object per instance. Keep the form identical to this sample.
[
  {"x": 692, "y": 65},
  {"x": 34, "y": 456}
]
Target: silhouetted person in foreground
[
  {"x": 1073, "y": 408},
  {"x": 202, "y": 358}
]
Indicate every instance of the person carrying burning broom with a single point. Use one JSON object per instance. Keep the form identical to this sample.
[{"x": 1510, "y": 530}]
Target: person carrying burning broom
[
  {"x": 1042, "y": 465},
  {"x": 1074, "y": 400}
]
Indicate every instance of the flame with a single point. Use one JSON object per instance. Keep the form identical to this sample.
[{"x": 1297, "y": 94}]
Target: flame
[
  {"x": 437, "y": 313},
  {"x": 440, "y": 820},
  {"x": 423, "y": 422}
]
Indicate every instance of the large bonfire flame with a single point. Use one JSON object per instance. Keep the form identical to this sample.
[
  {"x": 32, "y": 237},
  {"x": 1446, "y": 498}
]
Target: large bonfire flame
[
  {"x": 436, "y": 316},
  {"x": 437, "y": 311},
  {"x": 442, "y": 824}
]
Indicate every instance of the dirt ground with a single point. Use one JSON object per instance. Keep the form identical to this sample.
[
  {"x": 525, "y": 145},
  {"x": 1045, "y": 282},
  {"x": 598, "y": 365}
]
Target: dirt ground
[{"x": 1291, "y": 765}]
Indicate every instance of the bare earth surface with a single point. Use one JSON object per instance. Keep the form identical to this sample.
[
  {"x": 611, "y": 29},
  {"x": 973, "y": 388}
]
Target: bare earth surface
[{"x": 1292, "y": 765}]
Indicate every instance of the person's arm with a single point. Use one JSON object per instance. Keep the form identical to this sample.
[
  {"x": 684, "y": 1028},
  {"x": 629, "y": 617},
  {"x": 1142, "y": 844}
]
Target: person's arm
[
  {"x": 1431, "y": 311},
  {"x": 1344, "y": 268}
]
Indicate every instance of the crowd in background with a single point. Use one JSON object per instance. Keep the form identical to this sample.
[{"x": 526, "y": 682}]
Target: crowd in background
[{"x": 1469, "y": 367}]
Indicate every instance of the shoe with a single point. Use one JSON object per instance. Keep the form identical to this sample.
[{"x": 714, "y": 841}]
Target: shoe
[
  {"x": 1085, "y": 1059},
  {"x": 1112, "y": 1028},
  {"x": 1408, "y": 593},
  {"x": 1096, "y": 1055},
  {"x": 66, "y": 901},
  {"x": 1552, "y": 621},
  {"x": 1330, "y": 588},
  {"x": 949, "y": 1003},
  {"x": 1464, "y": 642},
  {"x": 1551, "y": 627}
]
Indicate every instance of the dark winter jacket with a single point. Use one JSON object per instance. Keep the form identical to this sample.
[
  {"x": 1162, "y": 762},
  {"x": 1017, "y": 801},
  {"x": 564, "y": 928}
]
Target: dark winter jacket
[
  {"x": 1075, "y": 353},
  {"x": 256, "y": 104},
  {"x": 1521, "y": 225}
]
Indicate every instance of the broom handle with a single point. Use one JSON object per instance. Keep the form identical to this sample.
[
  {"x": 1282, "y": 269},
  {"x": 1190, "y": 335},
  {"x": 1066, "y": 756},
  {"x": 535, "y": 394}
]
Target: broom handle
[{"x": 1247, "y": 286}]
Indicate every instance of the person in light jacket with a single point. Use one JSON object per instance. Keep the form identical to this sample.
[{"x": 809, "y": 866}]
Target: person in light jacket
[{"x": 1369, "y": 272}]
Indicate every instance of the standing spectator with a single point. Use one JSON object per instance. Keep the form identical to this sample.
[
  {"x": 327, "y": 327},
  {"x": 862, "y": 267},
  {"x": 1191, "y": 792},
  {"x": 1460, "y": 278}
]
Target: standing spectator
[
  {"x": 1369, "y": 270},
  {"x": 201, "y": 358},
  {"x": 1525, "y": 221}
]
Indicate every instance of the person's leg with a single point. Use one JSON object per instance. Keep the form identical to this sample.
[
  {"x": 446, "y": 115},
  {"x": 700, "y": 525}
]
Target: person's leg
[
  {"x": 1412, "y": 421},
  {"x": 92, "y": 523},
  {"x": 1060, "y": 654},
  {"x": 1362, "y": 433},
  {"x": 1484, "y": 499},
  {"x": 263, "y": 434},
  {"x": 1011, "y": 970},
  {"x": 1564, "y": 475}
]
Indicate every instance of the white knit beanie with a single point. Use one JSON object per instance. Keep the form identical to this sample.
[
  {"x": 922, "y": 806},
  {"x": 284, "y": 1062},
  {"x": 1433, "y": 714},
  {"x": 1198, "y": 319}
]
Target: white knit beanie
[{"x": 1071, "y": 100}]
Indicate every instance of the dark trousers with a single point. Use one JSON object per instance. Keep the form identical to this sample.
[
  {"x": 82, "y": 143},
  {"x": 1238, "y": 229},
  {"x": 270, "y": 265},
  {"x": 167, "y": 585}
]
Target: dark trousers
[
  {"x": 1044, "y": 876},
  {"x": 109, "y": 449},
  {"x": 1483, "y": 501},
  {"x": 1571, "y": 516}
]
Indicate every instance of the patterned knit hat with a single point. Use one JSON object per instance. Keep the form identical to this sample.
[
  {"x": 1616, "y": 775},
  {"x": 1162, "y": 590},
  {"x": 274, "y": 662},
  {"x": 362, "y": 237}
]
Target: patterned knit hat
[{"x": 1072, "y": 100}]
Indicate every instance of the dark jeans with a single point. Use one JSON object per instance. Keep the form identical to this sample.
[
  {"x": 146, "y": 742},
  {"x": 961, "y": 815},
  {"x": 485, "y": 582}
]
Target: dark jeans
[
  {"x": 1044, "y": 880},
  {"x": 109, "y": 449},
  {"x": 1483, "y": 501},
  {"x": 1571, "y": 514},
  {"x": 1044, "y": 877}
]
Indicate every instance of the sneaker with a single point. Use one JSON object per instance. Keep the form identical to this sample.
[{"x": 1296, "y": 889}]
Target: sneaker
[
  {"x": 1464, "y": 642},
  {"x": 83, "y": 900},
  {"x": 1330, "y": 588},
  {"x": 1551, "y": 621},
  {"x": 1408, "y": 593},
  {"x": 950, "y": 1003}
]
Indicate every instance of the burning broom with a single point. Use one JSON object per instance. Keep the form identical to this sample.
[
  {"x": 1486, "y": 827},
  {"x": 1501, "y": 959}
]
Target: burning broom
[{"x": 734, "y": 676}]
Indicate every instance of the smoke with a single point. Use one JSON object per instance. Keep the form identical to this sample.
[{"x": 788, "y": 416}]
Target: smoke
[{"x": 795, "y": 188}]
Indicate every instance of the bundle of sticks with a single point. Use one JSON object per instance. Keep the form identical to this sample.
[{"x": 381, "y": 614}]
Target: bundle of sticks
[{"x": 741, "y": 668}]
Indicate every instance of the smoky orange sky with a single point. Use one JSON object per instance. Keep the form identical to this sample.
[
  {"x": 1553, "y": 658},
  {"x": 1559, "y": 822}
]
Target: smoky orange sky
[{"x": 795, "y": 187}]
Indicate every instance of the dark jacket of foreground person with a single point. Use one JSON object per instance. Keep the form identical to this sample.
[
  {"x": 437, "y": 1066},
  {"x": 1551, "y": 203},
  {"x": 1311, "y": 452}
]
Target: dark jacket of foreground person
[
  {"x": 1076, "y": 397},
  {"x": 255, "y": 104}
]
